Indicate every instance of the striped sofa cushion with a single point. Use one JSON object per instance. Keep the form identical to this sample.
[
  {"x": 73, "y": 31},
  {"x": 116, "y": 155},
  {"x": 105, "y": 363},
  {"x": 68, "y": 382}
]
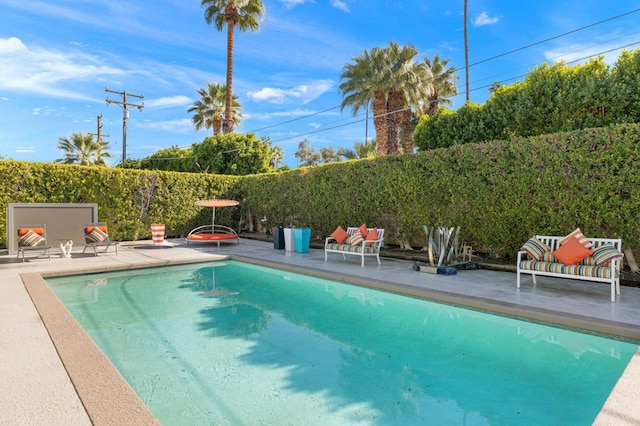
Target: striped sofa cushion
[
  {"x": 30, "y": 239},
  {"x": 350, "y": 248},
  {"x": 559, "y": 268}
]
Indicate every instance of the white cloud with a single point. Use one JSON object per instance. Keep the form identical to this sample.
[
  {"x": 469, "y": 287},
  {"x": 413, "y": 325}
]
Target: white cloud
[
  {"x": 339, "y": 4},
  {"x": 168, "y": 102},
  {"x": 580, "y": 52},
  {"x": 304, "y": 93},
  {"x": 44, "y": 72},
  {"x": 292, "y": 3},
  {"x": 484, "y": 19},
  {"x": 180, "y": 125},
  {"x": 27, "y": 149},
  {"x": 315, "y": 125}
]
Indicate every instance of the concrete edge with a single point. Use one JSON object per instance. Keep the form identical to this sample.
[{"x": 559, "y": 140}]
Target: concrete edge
[{"x": 105, "y": 395}]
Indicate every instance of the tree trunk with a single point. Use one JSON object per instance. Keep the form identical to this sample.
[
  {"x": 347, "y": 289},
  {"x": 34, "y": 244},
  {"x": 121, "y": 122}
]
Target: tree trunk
[
  {"x": 432, "y": 107},
  {"x": 395, "y": 110},
  {"x": 380, "y": 122},
  {"x": 407, "y": 132},
  {"x": 466, "y": 49},
  {"x": 227, "y": 124}
]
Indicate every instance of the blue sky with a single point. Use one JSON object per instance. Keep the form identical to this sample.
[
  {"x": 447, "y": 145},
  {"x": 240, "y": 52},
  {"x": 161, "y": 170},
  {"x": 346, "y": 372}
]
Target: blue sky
[{"x": 57, "y": 57}]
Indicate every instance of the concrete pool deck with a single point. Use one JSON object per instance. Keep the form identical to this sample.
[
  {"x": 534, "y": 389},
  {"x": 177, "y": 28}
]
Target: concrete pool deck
[{"x": 69, "y": 383}]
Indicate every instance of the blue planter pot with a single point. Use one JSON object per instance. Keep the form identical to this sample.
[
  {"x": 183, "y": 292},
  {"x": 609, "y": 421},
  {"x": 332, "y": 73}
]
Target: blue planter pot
[{"x": 302, "y": 237}]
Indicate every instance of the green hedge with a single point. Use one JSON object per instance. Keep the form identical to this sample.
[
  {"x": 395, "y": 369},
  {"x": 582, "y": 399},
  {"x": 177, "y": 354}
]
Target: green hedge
[
  {"x": 500, "y": 193},
  {"x": 128, "y": 200},
  {"x": 552, "y": 98}
]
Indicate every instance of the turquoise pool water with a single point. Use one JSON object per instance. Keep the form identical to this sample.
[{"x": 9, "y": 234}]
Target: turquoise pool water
[{"x": 233, "y": 343}]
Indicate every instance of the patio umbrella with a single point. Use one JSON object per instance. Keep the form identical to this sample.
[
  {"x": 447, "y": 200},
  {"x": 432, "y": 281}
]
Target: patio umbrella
[{"x": 214, "y": 204}]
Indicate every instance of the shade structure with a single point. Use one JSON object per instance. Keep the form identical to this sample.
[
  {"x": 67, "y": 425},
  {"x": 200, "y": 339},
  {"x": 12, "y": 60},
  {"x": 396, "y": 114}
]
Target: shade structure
[{"x": 215, "y": 203}]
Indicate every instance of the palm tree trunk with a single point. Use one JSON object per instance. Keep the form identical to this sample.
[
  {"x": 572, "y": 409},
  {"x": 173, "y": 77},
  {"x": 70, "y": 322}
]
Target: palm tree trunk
[
  {"x": 380, "y": 122},
  {"x": 227, "y": 124},
  {"x": 395, "y": 105},
  {"x": 432, "y": 108},
  {"x": 407, "y": 132},
  {"x": 466, "y": 49}
]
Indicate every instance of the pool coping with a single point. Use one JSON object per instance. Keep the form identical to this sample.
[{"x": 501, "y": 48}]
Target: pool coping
[{"x": 109, "y": 399}]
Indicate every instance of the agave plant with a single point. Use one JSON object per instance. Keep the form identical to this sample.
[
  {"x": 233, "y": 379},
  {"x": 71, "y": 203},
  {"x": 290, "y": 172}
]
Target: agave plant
[{"x": 443, "y": 245}]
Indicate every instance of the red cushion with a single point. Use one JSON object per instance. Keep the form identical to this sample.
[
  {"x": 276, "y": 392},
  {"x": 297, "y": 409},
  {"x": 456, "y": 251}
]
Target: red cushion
[
  {"x": 572, "y": 252},
  {"x": 340, "y": 235},
  {"x": 373, "y": 235}
]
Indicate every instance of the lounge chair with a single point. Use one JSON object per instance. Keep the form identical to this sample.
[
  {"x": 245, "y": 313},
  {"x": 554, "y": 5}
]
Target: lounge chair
[
  {"x": 32, "y": 237},
  {"x": 97, "y": 235},
  {"x": 212, "y": 233}
]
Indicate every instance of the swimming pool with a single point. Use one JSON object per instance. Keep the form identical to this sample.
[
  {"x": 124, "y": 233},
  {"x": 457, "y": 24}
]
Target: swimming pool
[{"x": 232, "y": 343}]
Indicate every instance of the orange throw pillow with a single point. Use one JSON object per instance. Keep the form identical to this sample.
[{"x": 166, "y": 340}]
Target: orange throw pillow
[
  {"x": 372, "y": 236},
  {"x": 363, "y": 230},
  {"x": 340, "y": 235},
  {"x": 571, "y": 252}
]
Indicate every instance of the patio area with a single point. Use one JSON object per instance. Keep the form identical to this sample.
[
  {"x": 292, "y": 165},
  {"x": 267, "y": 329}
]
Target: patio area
[{"x": 38, "y": 389}]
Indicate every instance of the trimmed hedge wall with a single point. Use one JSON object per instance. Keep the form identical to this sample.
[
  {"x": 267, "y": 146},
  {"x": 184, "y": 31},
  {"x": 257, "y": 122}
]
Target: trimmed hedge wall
[
  {"x": 128, "y": 200},
  {"x": 500, "y": 193}
]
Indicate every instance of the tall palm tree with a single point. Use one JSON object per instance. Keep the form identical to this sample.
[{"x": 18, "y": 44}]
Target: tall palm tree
[
  {"x": 246, "y": 15},
  {"x": 442, "y": 84},
  {"x": 408, "y": 85},
  {"x": 361, "y": 85},
  {"x": 391, "y": 81},
  {"x": 466, "y": 47},
  {"x": 208, "y": 111},
  {"x": 83, "y": 150}
]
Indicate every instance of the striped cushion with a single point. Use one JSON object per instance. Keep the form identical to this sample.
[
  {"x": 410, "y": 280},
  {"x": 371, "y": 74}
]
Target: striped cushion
[
  {"x": 355, "y": 239},
  {"x": 349, "y": 248},
  {"x": 605, "y": 254},
  {"x": 559, "y": 268},
  {"x": 535, "y": 248},
  {"x": 97, "y": 235},
  {"x": 30, "y": 239},
  {"x": 577, "y": 233}
]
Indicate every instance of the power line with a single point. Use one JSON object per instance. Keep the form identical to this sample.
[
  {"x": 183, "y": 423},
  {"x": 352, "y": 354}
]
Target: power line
[
  {"x": 554, "y": 37},
  {"x": 125, "y": 114},
  {"x": 473, "y": 89}
]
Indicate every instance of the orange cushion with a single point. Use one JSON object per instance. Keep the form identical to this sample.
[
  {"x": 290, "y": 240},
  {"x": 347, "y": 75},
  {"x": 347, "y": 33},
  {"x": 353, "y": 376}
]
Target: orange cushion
[
  {"x": 372, "y": 235},
  {"x": 89, "y": 229},
  {"x": 340, "y": 235},
  {"x": 211, "y": 237},
  {"x": 363, "y": 230},
  {"x": 579, "y": 236},
  {"x": 572, "y": 252},
  {"x": 22, "y": 231}
]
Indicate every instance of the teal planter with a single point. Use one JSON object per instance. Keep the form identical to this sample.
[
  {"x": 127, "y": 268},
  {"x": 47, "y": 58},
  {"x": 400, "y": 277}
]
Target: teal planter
[{"x": 303, "y": 238}]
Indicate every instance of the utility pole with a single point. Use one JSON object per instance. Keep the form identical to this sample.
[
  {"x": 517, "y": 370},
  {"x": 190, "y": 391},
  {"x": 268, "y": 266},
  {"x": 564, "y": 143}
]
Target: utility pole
[
  {"x": 99, "y": 135},
  {"x": 125, "y": 114}
]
